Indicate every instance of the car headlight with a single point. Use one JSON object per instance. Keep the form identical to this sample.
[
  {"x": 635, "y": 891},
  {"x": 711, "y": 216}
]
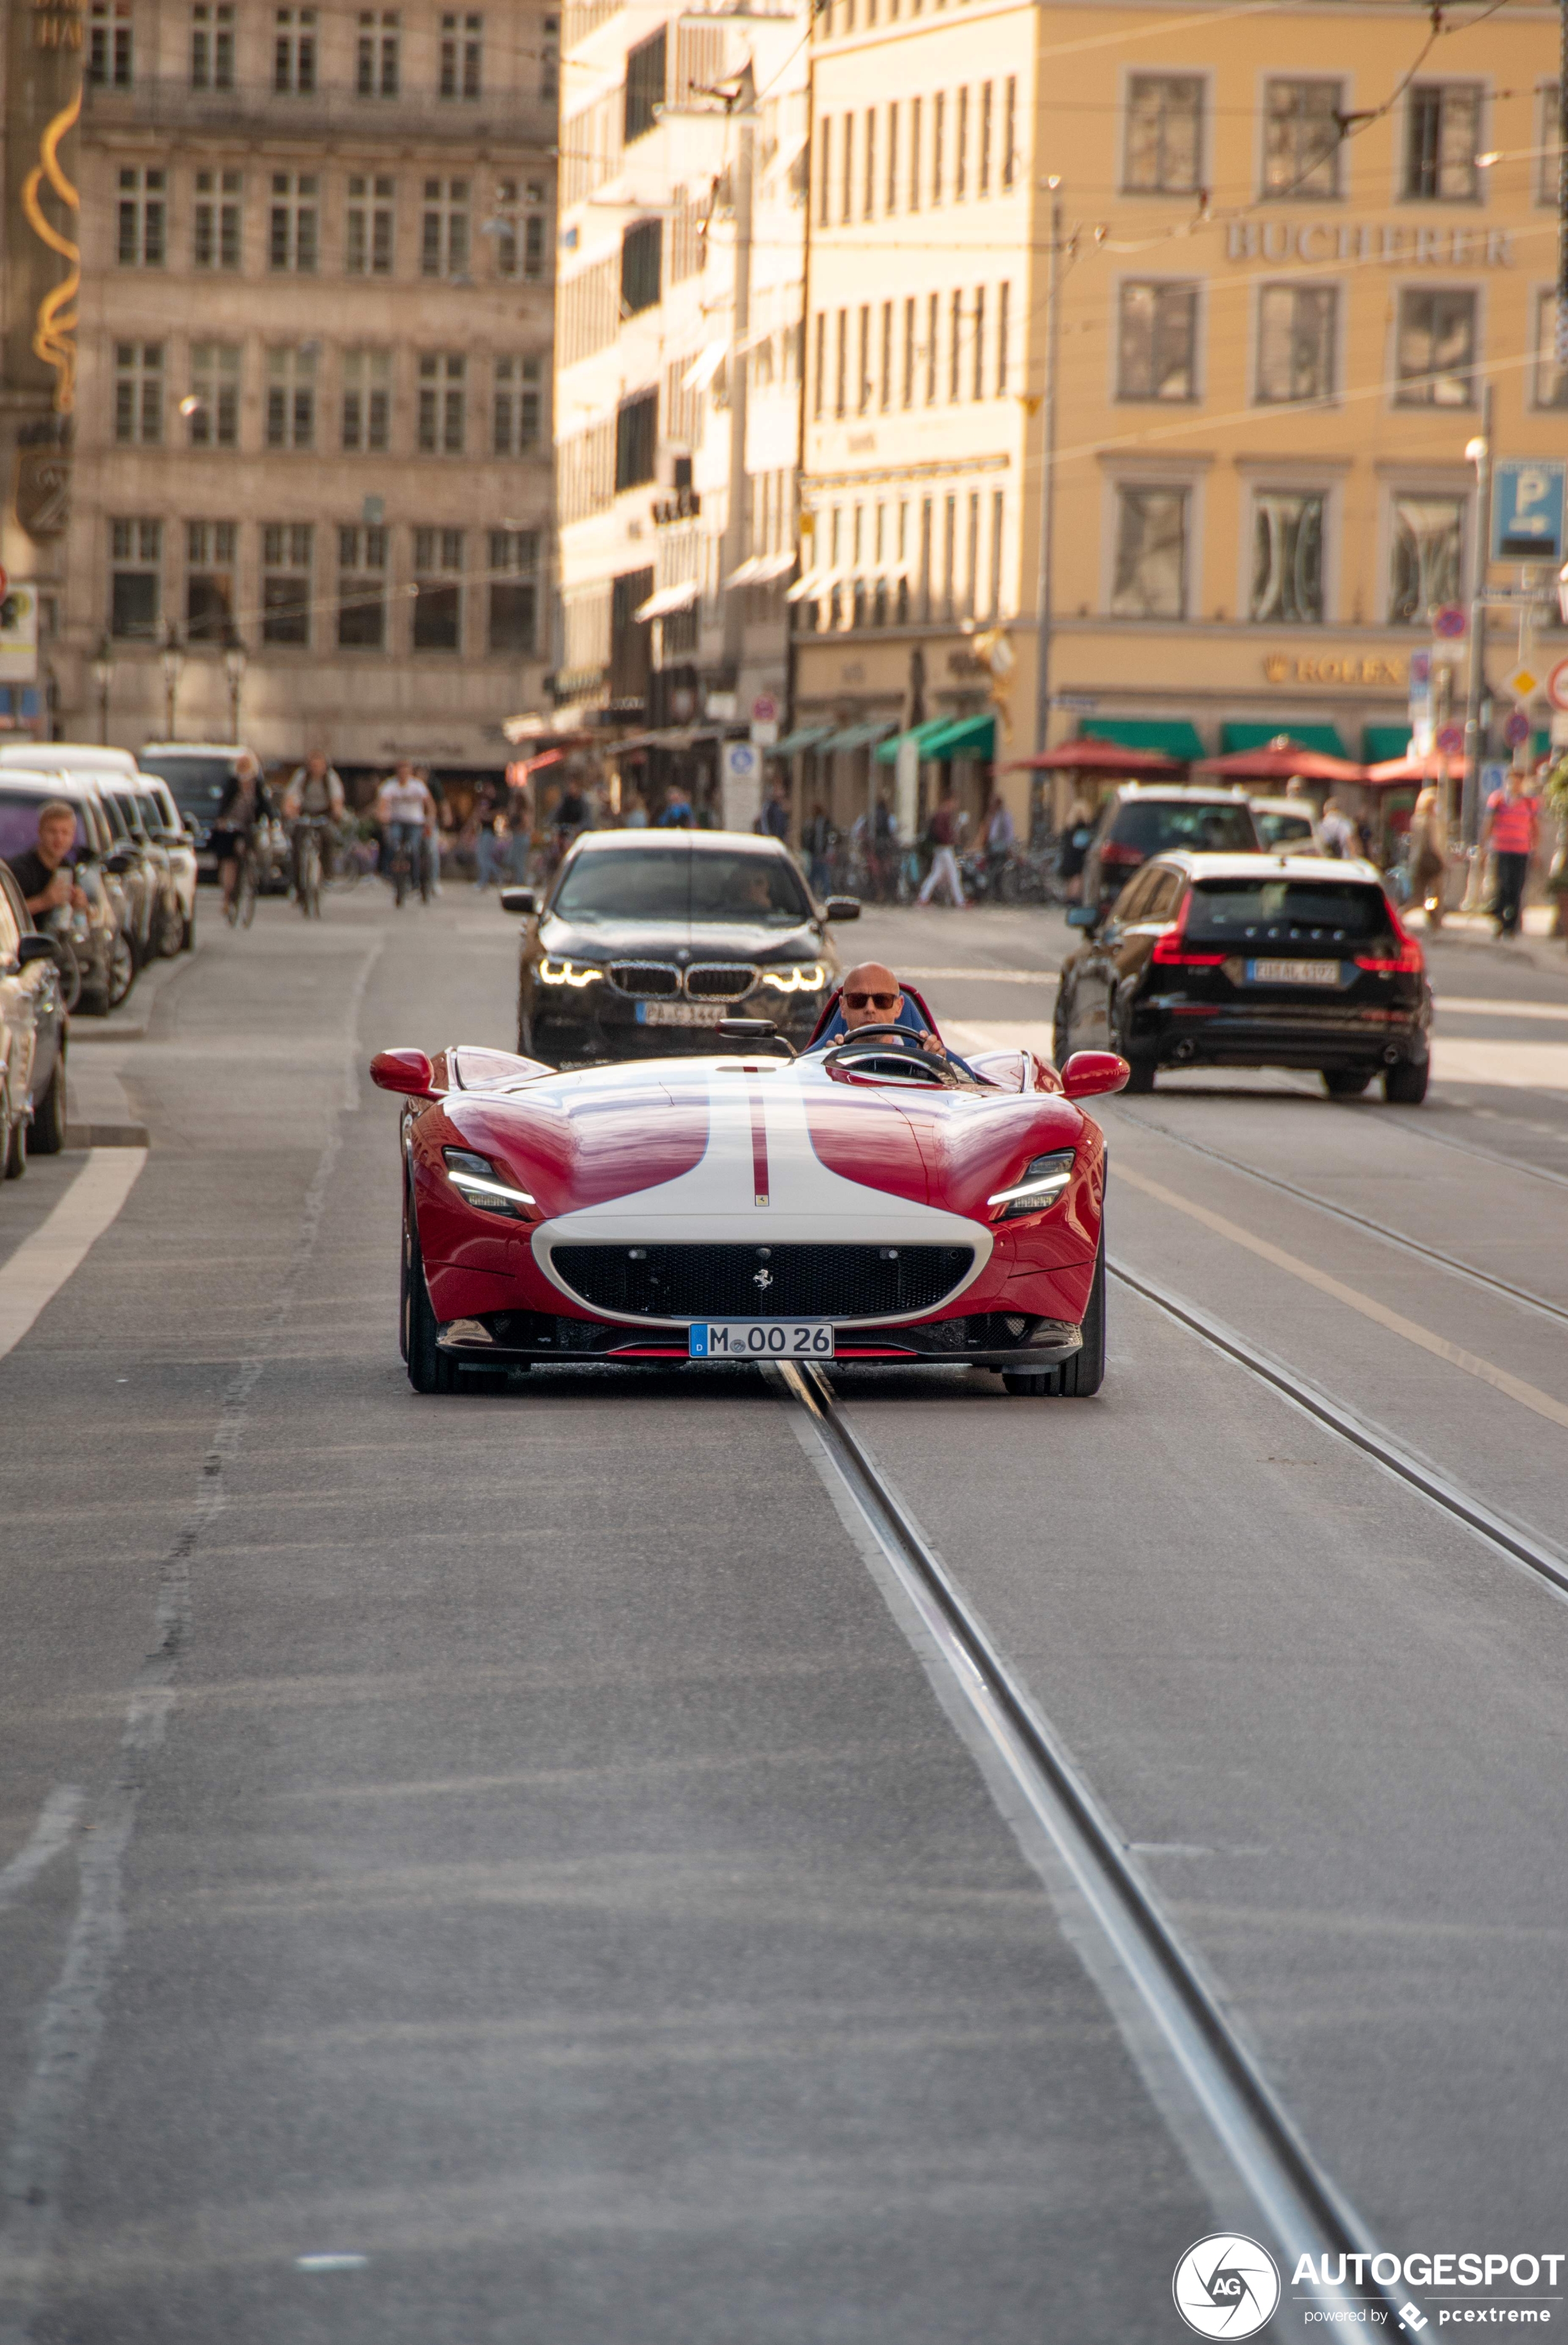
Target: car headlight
[
  {"x": 479, "y": 1183},
  {"x": 1041, "y": 1184},
  {"x": 799, "y": 977},
  {"x": 566, "y": 972}
]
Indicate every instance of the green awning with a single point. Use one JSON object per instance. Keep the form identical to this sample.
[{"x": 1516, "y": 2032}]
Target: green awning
[
  {"x": 964, "y": 736},
  {"x": 1381, "y": 743},
  {"x": 1173, "y": 735},
  {"x": 887, "y": 751},
  {"x": 858, "y": 736},
  {"x": 810, "y": 736},
  {"x": 1253, "y": 735}
]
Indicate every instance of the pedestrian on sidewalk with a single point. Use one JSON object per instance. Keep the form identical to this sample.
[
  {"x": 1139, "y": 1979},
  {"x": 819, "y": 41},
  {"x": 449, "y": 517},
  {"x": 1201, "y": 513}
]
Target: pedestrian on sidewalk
[
  {"x": 943, "y": 833},
  {"x": 1428, "y": 855},
  {"x": 1512, "y": 827}
]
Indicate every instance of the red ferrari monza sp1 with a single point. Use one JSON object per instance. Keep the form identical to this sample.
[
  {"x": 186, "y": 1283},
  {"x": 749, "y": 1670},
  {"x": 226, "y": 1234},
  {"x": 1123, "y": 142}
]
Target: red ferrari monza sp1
[{"x": 868, "y": 1201}]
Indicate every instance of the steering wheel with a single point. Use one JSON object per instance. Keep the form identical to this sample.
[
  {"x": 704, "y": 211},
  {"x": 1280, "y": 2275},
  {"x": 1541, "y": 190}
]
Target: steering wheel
[{"x": 937, "y": 1063}]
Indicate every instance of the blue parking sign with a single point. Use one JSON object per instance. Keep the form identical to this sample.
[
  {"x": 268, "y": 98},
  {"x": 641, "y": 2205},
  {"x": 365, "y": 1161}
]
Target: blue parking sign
[{"x": 1527, "y": 494}]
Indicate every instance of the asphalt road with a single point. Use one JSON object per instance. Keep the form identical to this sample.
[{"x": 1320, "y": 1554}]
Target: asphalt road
[{"x": 514, "y": 1846}]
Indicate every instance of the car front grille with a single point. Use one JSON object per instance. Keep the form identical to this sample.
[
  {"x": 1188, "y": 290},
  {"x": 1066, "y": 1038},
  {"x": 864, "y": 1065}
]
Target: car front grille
[
  {"x": 750, "y": 1281},
  {"x": 719, "y": 980},
  {"x": 645, "y": 981}
]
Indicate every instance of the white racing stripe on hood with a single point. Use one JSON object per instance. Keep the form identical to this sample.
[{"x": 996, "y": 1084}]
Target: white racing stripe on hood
[{"x": 716, "y": 1203}]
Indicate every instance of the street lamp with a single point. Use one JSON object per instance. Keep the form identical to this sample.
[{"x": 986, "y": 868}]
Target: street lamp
[
  {"x": 234, "y": 658},
  {"x": 103, "y": 678},
  {"x": 1477, "y": 451},
  {"x": 172, "y": 659}
]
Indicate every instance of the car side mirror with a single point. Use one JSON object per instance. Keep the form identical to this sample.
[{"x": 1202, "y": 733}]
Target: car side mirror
[
  {"x": 523, "y": 900},
  {"x": 408, "y": 1072},
  {"x": 122, "y": 859},
  {"x": 1088, "y": 1074},
  {"x": 1084, "y": 916},
  {"x": 754, "y": 1029},
  {"x": 843, "y": 908},
  {"x": 32, "y": 949}
]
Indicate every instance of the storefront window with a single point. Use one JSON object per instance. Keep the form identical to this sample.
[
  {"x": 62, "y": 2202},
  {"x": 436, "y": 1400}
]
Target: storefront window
[
  {"x": 1150, "y": 555},
  {"x": 1428, "y": 555},
  {"x": 1287, "y": 557}
]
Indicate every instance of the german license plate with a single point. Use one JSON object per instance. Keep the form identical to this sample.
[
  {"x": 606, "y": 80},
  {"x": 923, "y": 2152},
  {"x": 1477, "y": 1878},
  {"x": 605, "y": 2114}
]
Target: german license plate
[
  {"x": 760, "y": 1339},
  {"x": 1292, "y": 972},
  {"x": 683, "y": 1013}
]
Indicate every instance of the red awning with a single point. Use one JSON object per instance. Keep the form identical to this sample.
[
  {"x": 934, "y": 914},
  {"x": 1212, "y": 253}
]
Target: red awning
[
  {"x": 1100, "y": 758},
  {"x": 1276, "y": 760}
]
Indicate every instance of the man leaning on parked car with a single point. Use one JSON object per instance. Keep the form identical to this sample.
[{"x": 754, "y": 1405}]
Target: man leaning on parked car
[{"x": 43, "y": 873}]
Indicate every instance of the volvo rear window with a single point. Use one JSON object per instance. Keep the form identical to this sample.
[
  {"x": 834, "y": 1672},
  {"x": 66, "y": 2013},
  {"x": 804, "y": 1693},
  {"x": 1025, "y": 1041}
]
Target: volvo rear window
[
  {"x": 1154, "y": 826},
  {"x": 639, "y": 883},
  {"x": 1285, "y": 911}
]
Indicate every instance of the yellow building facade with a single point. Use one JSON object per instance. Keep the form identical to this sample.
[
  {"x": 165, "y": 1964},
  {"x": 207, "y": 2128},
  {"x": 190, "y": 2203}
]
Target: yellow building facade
[{"x": 1292, "y": 247}]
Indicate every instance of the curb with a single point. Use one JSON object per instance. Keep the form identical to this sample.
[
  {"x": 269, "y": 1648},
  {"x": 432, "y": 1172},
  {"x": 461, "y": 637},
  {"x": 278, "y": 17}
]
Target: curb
[
  {"x": 97, "y": 1113},
  {"x": 130, "y": 1023}
]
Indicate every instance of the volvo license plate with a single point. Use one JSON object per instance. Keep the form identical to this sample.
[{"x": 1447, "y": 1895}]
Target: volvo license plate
[
  {"x": 683, "y": 1013},
  {"x": 760, "y": 1339},
  {"x": 1292, "y": 972}
]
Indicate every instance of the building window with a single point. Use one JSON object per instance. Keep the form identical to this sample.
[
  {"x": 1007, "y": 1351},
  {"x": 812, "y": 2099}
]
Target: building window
[
  {"x": 292, "y": 240},
  {"x": 377, "y": 62},
  {"x": 1436, "y": 348},
  {"x": 644, "y": 94},
  {"x": 1157, "y": 344},
  {"x": 915, "y": 113},
  {"x": 1428, "y": 549},
  {"x": 286, "y": 549},
  {"x": 1164, "y": 134},
  {"x": 979, "y": 350},
  {"x": 209, "y": 580},
  {"x": 367, "y": 401},
  {"x": 640, "y": 267},
  {"x": 362, "y": 589},
  {"x": 1151, "y": 581},
  {"x": 142, "y": 218},
  {"x": 961, "y": 149},
  {"x": 437, "y": 590},
  {"x": 847, "y": 192},
  {"x": 886, "y": 376},
  {"x": 513, "y": 590},
  {"x": 213, "y": 406},
  {"x": 212, "y": 45},
  {"x": 294, "y": 52},
  {"x": 909, "y": 352},
  {"x": 986, "y": 94},
  {"x": 1003, "y": 303},
  {"x": 518, "y": 228},
  {"x": 518, "y": 411},
  {"x": 1550, "y": 377},
  {"x": 933, "y": 338},
  {"x": 1010, "y": 132},
  {"x": 138, "y": 394},
  {"x": 999, "y": 525},
  {"x": 462, "y": 55},
  {"x": 1287, "y": 557},
  {"x": 292, "y": 397},
  {"x": 863, "y": 396},
  {"x": 825, "y": 175},
  {"x": 368, "y": 225},
  {"x": 1301, "y": 138},
  {"x": 954, "y": 346},
  {"x": 444, "y": 230},
  {"x": 892, "y": 177},
  {"x": 550, "y": 60},
  {"x": 216, "y": 219},
  {"x": 938, "y": 142},
  {"x": 135, "y": 558},
  {"x": 1296, "y": 338},
  {"x": 636, "y": 435},
  {"x": 443, "y": 403},
  {"x": 1442, "y": 138},
  {"x": 1548, "y": 146},
  {"x": 109, "y": 54}
]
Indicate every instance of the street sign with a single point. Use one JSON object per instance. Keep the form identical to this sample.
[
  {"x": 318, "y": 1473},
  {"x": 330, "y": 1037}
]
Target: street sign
[
  {"x": 1449, "y": 622},
  {"x": 1557, "y": 685},
  {"x": 1515, "y": 728},
  {"x": 1450, "y": 740},
  {"x": 1523, "y": 683},
  {"x": 1419, "y": 672},
  {"x": 765, "y": 708},
  {"x": 1527, "y": 499},
  {"x": 740, "y": 785}
]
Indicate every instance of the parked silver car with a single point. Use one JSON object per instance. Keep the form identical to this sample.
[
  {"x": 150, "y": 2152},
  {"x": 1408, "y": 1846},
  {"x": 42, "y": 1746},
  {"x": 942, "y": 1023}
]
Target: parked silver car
[{"x": 32, "y": 1037}]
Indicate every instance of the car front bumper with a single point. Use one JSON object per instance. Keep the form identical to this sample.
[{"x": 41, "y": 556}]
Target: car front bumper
[{"x": 503, "y": 1339}]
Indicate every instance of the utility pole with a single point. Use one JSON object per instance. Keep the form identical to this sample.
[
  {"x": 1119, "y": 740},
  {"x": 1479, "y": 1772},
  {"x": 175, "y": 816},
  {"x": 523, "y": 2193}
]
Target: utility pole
[
  {"x": 1048, "y": 492},
  {"x": 743, "y": 113},
  {"x": 1479, "y": 452}
]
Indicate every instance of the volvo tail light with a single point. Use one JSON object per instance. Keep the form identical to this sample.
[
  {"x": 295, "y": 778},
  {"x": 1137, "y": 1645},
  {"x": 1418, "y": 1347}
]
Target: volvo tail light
[
  {"x": 1409, "y": 961},
  {"x": 1170, "y": 949}
]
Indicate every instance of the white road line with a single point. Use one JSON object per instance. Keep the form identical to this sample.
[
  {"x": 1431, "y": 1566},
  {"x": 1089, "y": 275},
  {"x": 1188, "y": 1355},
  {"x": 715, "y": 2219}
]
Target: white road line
[
  {"x": 1479, "y": 1006},
  {"x": 60, "y": 1245},
  {"x": 51, "y": 1833}
]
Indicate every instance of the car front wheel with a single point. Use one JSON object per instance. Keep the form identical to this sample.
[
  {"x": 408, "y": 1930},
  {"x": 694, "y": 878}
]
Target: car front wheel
[
  {"x": 429, "y": 1369},
  {"x": 47, "y": 1136}
]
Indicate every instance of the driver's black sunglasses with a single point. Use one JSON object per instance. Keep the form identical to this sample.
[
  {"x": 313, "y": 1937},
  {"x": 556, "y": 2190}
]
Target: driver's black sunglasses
[{"x": 870, "y": 1000}]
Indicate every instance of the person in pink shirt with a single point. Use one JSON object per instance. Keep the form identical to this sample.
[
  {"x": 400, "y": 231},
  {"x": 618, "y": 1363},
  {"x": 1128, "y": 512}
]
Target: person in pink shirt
[{"x": 1512, "y": 825}]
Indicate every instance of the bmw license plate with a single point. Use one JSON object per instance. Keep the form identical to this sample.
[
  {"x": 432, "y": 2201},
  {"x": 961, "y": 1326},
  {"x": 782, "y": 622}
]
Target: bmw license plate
[
  {"x": 683, "y": 1013},
  {"x": 760, "y": 1339},
  {"x": 1292, "y": 972}
]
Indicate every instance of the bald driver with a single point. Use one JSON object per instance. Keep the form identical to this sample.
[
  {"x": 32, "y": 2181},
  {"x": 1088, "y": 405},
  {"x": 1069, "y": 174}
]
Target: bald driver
[{"x": 872, "y": 996}]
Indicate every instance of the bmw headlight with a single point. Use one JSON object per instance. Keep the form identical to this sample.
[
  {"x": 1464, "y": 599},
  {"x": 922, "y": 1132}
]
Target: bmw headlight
[
  {"x": 798, "y": 976},
  {"x": 482, "y": 1184},
  {"x": 1041, "y": 1184},
  {"x": 574, "y": 973}
]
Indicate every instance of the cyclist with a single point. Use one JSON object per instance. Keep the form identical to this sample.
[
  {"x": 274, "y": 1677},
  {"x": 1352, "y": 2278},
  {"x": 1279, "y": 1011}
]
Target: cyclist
[
  {"x": 246, "y": 801},
  {"x": 315, "y": 797},
  {"x": 405, "y": 810}
]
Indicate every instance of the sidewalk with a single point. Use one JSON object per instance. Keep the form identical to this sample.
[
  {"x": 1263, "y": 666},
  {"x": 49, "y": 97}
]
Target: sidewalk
[{"x": 1535, "y": 946}]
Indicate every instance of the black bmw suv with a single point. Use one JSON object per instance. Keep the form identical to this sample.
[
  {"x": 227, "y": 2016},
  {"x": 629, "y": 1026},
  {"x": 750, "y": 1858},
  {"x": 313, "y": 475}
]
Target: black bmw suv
[
  {"x": 1251, "y": 960},
  {"x": 647, "y": 940}
]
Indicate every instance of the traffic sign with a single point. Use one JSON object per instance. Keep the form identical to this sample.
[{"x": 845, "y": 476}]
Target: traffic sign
[
  {"x": 740, "y": 785},
  {"x": 1421, "y": 670},
  {"x": 1527, "y": 501},
  {"x": 1523, "y": 683},
  {"x": 1450, "y": 740},
  {"x": 765, "y": 708},
  {"x": 1515, "y": 728},
  {"x": 1449, "y": 620},
  {"x": 1557, "y": 685}
]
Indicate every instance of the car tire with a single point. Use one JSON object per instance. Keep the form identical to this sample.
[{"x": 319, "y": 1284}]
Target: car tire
[
  {"x": 48, "y": 1134},
  {"x": 1142, "y": 1069},
  {"x": 122, "y": 970},
  {"x": 1083, "y": 1374},
  {"x": 8, "y": 1131},
  {"x": 1343, "y": 1082},
  {"x": 187, "y": 932},
  {"x": 1405, "y": 1085},
  {"x": 14, "y": 1161},
  {"x": 170, "y": 931},
  {"x": 429, "y": 1369}
]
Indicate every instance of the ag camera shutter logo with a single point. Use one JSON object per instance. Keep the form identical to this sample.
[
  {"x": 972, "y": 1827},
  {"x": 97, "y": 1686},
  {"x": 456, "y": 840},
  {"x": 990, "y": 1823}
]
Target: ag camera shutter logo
[{"x": 1226, "y": 2285}]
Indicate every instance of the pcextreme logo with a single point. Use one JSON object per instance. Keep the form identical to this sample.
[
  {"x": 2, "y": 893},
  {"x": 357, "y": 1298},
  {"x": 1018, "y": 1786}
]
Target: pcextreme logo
[{"x": 1226, "y": 2285}]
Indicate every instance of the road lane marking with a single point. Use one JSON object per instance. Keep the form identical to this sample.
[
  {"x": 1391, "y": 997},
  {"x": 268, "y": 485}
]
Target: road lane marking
[
  {"x": 1527, "y": 1395},
  {"x": 1512, "y": 1066},
  {"x": 57, "y": 1248},
  {"x": 51, "y": 1833},
  {"x": 1478, "y": 1006}
]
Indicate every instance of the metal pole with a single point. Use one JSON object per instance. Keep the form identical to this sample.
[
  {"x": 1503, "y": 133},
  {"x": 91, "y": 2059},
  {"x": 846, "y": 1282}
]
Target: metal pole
[
  {"x": 1048, "y": 497},
  {"x": 735, "y": 519},
  {"x": 1476, "y": 688}
]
